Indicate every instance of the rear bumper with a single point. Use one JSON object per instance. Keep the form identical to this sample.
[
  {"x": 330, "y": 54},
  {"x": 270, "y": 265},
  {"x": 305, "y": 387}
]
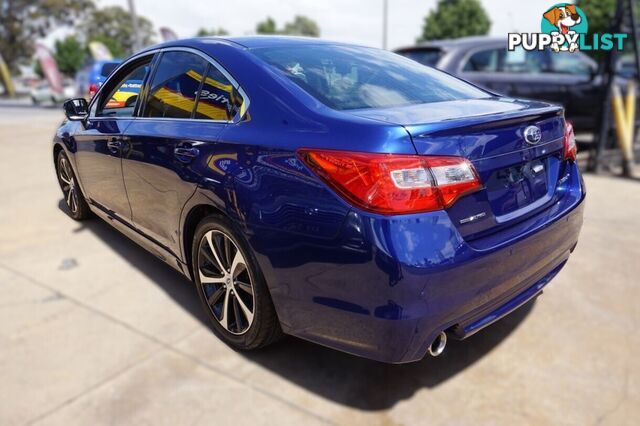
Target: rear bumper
[{"x": 387, "y": 286}]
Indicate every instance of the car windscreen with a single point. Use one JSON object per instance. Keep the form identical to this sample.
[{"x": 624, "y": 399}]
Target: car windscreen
[
  {"x": 349, "y": 77},
  {"x": 429, "y": 57},
  {"x": 108, "y": 68}
]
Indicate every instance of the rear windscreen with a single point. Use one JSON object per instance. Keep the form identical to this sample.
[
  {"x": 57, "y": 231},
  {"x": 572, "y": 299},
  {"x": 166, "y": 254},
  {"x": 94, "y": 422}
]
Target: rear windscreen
[
  {"x": 350, "y": 77},
  {"x": 428, "y": 57},
  {"x": 108, "y": 68}
]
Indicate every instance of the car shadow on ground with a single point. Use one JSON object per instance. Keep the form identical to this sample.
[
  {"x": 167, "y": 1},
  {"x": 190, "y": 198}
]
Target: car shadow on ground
[{"x": 339, "y": 377}]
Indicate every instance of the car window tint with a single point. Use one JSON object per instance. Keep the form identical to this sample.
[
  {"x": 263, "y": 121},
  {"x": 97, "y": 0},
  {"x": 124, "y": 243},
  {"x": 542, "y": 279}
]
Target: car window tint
[
  {"x": 218, "y": 99},
  {"x": 569, "y": 63},
  {"x": 175, "y": 85},
  {"x": 349, "y": 77},
  {"x": 121, "y": 100},
  {"x": 484, "y": 61},
  {"x": 526, "y": 62}
]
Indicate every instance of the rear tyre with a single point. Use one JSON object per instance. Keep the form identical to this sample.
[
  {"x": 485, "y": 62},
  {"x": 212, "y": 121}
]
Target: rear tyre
[
  {"x": 76, "y": 203},
  {"x": 231, "y": 287}
]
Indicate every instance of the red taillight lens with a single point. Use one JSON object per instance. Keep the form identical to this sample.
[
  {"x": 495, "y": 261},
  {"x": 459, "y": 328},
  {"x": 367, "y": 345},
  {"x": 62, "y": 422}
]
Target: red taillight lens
[
  {"x": 391, "y": 183},
  {"x": 570, "y": 146},
  {"x": 93, "y": 88}
]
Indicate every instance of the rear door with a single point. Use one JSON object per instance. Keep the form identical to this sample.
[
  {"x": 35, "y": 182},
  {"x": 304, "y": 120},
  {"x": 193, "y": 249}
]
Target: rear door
[
  {"x": 100, "y": 142},
  {"x": 169, "y": 144}
]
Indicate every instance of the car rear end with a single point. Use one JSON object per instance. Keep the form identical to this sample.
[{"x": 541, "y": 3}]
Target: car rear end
[{"x": 472, "y": 224}]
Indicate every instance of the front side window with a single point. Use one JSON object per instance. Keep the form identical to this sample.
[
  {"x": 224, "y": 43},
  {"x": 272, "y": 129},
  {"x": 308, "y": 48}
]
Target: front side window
[
  {"x": 218, "y": 99},
  {"x": 121, "y": 100},
  {"x": 348, "y": 77},
  {"x": 484, "y": 61},
  {"x": 175, "y": 85}
]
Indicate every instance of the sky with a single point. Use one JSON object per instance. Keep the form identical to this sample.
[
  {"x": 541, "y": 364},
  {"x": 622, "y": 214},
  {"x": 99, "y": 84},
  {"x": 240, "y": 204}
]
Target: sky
[{"x": 355, "y": 21}]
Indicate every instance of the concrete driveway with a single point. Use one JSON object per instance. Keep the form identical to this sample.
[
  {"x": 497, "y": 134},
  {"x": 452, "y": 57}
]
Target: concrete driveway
[{"x": 93, "y": 330}]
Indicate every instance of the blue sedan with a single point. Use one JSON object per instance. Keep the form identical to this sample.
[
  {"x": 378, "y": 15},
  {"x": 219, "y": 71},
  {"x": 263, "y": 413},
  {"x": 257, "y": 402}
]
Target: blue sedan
[{"x": 342, "y": 194}]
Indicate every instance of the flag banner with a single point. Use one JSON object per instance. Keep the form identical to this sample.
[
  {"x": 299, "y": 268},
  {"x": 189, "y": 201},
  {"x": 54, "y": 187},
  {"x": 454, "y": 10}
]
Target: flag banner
[
  {"x": 168, "y": 34},
  {"x": 49, "y": 68},
  {"x": 99, "y": 51},
  {"x": 5, "y": 78}
]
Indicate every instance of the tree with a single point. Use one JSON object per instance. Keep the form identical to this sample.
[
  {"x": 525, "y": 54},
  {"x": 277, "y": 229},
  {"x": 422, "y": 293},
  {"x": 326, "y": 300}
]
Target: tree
[
  {"x": 303, "y": 26},
  {"x": 69, "y": 54},
  {"x": 203, "y": 32},
  {"x": 114, "y": 23},
  {"x": 454, "y": 19},
  {"x": 22, "y": 22},
  {"x": 267, "y": 26}
]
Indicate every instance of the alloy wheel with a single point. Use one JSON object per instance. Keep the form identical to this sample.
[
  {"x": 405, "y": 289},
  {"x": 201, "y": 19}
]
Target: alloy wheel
[
  {"x": 226, "y": 282},
  {"x": 68, "y": 184}
]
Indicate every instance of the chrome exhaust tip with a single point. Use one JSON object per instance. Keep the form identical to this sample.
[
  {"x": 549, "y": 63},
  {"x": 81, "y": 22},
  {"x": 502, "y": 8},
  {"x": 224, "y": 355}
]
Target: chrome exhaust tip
[{"x": 438, "y": 344}]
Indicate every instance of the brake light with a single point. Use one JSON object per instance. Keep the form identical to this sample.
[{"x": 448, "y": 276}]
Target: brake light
[
  {"x": 570, "y": 146},
  {"x": 392, "y": 183},
  {"x": 93, "y": 89}
]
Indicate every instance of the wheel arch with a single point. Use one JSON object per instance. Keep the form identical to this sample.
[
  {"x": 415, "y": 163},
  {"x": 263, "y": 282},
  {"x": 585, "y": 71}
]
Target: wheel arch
[{"x": 195, "y": 214}]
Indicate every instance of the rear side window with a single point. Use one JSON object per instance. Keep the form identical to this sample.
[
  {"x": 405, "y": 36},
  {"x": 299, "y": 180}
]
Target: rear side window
[
  {"x": 429, "y": 57},
  {"x": 348, "y": 77},
  {"x": 108, "y": 68},
  {"x": 484, "y": 61},
  {"x": 175, "y": 85},
  {"x": 218, "y": 99}
]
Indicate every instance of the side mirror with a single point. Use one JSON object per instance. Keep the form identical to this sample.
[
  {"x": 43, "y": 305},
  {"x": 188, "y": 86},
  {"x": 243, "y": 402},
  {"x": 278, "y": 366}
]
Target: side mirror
[{"x": 76, "y": 109}]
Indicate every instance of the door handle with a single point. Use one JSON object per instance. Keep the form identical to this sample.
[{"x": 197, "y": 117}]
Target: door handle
[
  {"x": 186, "y": 154},
  {"x": 114, "y": 146}
]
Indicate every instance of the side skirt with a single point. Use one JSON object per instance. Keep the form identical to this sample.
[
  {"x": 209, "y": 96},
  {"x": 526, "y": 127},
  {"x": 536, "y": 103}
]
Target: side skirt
[{"x": 142, "y": 240}]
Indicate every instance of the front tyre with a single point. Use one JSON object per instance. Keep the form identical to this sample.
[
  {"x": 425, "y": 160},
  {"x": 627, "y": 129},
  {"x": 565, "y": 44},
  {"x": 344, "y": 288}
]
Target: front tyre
[
  {"x": 231, "y": 288},
  {"x": 78, "y": 207}
]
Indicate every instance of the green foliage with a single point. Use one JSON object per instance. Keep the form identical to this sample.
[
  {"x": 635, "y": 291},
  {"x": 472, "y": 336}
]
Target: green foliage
[
  {"x": 601, "y": 14},
  {"x": 454, "y": 19},
  {"x": 37, "y": 68},
  {"x": 23, "y": 21},
  {"x": 268, "y": 26},
  {"x": 114, "y": 23},
  {"x": 301, "y": 26},
  {"x": 70, "y": 55},
  {"x": 203, "y": 32}
]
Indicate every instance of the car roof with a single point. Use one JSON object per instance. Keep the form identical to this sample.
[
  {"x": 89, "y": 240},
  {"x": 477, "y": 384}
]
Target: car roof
[
  {"x": 248, "y": 42},
  {"x": 455, "y": 43}
]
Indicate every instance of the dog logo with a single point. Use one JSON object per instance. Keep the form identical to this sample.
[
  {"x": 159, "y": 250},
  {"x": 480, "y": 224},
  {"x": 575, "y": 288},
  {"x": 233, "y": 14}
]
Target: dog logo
[
  {"x": 564, "y": 28},
  {"x": 532, "y": 135},
  {"x": 567, "y": 20}
]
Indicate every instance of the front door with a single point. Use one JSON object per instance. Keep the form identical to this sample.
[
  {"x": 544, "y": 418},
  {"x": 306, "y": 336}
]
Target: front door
[{"x": 100, "y": 143}]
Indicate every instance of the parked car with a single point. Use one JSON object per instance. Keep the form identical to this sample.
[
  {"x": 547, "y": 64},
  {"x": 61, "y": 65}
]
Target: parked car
[
  {"x": 90, "y": 78},
  {"x": 569, "y": 79},
  {"x": 42, "y": 93},
  {"x": 342, "y": 194}
]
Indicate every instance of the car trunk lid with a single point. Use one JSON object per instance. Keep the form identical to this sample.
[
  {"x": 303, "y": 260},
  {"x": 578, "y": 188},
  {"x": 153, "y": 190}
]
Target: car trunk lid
[{"x": 519, "y": 177}]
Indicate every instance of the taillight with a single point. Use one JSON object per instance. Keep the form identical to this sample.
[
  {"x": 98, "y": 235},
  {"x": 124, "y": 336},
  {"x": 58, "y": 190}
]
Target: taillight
[
  {"x": 393, "y": 183},
  {"x": 93, "y": 89},
  {"x": 570, "y": 146}
]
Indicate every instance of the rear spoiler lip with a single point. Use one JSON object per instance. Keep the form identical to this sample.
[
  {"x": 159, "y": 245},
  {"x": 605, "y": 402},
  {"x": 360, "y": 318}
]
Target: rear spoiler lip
[{"x": 482, "y": 122}]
